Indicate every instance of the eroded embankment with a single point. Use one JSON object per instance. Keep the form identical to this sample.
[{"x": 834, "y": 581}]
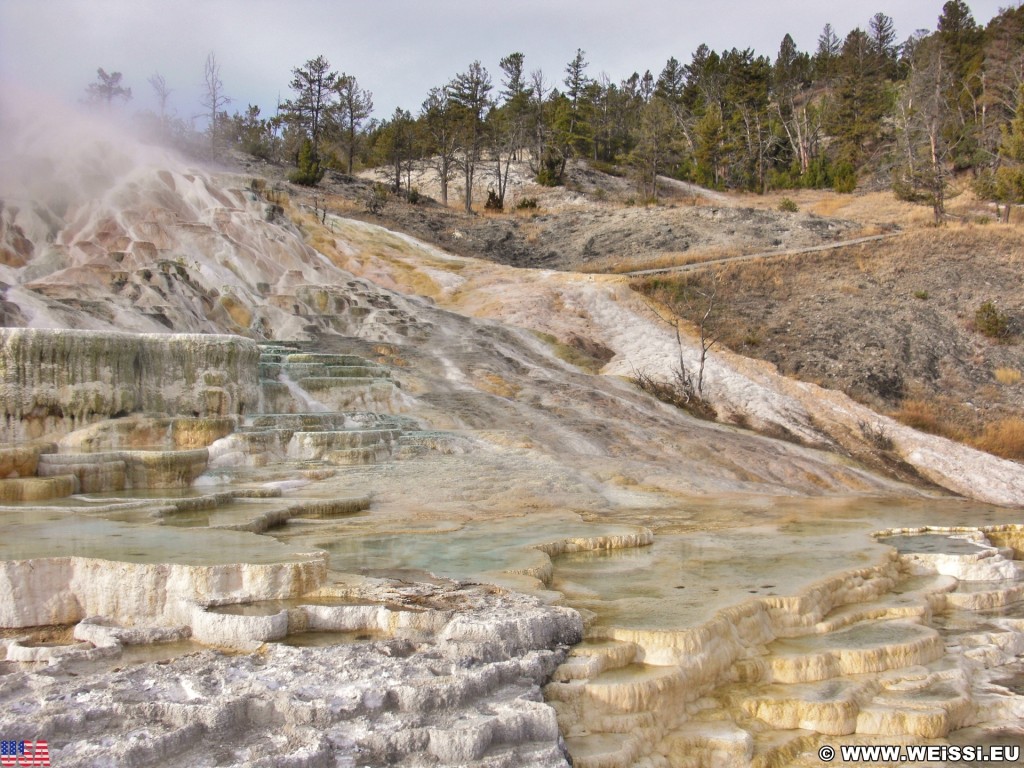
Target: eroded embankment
[{"x": 57, "y": 382}]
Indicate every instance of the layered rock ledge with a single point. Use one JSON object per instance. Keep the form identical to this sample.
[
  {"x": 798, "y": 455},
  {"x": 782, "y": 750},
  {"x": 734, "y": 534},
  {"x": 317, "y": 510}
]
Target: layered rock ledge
[{"x": 56, "y": 381}]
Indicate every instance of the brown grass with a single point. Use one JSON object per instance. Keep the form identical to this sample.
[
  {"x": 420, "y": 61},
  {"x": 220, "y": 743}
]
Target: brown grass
[
  {"x": 1008, "y": 376},
  {"x": 617, "y": 265},
  {"x": 947, "y": 418},
  {"x": 1004, "y": 437},
  {"x": 881, "y": 210},
  {"x": 924, "y": 415}
]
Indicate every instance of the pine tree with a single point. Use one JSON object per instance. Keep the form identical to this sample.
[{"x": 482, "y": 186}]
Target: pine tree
[
  {"x": 309, "y": 171},
  {"x": 573, "y": 127},
  {"x": 1009, "y": 182},
  {"x": 656, "y": 147},
  {"x": 671, "y": 82},
  {"x": 882, "y": 31},
  {"x": 107, "y": 89},
  {"x": 315, "y": 87},
  {"x": 961, "y": 40},
  {"x": 861, "y": 96}
]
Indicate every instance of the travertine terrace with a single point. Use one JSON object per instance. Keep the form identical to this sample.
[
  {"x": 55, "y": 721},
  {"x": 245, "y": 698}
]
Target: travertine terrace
[{"x": 284, "y": 493}]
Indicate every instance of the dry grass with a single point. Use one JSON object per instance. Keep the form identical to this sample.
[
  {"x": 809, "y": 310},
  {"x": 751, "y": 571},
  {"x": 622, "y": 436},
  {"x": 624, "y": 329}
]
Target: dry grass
[
  {"x": 1004, "y": 437},
  {"x": 880, "y": 209},
  {"x": 617, "y": 265},
  {"x": 926, "y": 416},
  {"x": 947, "y": 418},
  {"x": 1008, "y": 376}
]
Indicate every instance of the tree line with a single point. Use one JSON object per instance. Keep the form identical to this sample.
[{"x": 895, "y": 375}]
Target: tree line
[{"x": 917, "y": 111}]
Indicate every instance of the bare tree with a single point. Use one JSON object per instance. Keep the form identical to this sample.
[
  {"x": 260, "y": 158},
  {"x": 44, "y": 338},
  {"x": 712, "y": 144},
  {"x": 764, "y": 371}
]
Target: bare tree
[
  {"x": 539, "y": 90},
  {"x": 686, "y": 388},
  {"x": 927, "y": 143},
  {"x": 470, "y": 92},
  {"x": 162, "y": 93},
  {"x": 437, "y": 117},
  {"x": 214, "y": 100}
]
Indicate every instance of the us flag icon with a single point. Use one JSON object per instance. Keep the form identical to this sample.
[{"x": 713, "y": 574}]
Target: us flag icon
[{"x": 24, "y": 753}]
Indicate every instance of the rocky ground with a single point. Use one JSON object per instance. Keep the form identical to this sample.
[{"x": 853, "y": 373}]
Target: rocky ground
[
  {"x": 591, "y": 224},
  {"x": 467, "y": 695}
]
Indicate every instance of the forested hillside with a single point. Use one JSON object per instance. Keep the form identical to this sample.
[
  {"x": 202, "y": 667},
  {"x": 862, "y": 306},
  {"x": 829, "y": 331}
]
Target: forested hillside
[{"x": 870, "y": 105}]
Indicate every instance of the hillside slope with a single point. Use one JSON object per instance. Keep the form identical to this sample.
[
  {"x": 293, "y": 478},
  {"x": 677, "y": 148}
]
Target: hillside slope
[{"x": 120, "y": 239}]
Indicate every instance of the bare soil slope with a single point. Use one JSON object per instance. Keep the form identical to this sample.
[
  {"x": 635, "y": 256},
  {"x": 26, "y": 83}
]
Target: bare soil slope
[{"x": 892, "y": 323}]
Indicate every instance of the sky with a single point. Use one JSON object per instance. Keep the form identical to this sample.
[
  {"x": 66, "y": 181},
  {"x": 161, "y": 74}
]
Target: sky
[{"x": 398, "y": 49}]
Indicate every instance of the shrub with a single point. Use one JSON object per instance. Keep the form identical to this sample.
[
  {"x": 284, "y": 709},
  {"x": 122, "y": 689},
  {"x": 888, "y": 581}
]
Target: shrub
[
  {"x": 681, "y": 393},
  {"x": 922, "y": 295},
  {"x": 991, "y": 322},
  {"x": 876, "y": 435},
  {"x": 377, "y": 198},
  {"x": 310, "y": 172},
  {"x": 494, "y": 203},
  {"x": 551, "y": 169},
  {"x": 788, "y": 206},
  {"x": 527, "y": 204},
  {"x": 844, "y": 178},
  {"x": 818, "y": 174}
]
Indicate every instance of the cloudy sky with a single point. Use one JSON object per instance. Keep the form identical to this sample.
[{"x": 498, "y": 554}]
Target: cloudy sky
[{"x": 398, "y": 49}]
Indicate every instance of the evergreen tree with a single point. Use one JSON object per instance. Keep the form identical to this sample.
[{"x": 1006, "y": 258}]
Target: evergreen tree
[
  {"x": 882, "y": 31},
  {"x": 961, "y": 41},
  {"x": 799, "y": 119},
  {"x": 826, "y": 57},
  {"x": 709, "y": 148},
  {"x": 748, "y": 134},
  {"x": 107, "y": 89},
  {"x": 395, "y": 145},
  {"x": 861, "y": 98},
  {"x": 315, "y": 87},
  {"x": 309, "y": 171},
  {"x": 515, "y": 95},
  {"x": 671, "y": 82},
  {"x": 655, "y": 148},
  {"x": 1009, "y": 183},
  {"x": 575, "y": 132},
  {"x": 1003, "y": 68}
]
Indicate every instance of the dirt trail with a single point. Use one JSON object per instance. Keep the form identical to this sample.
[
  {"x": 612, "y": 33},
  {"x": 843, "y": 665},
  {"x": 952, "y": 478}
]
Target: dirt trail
[{"x": 756, "y": 256}]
